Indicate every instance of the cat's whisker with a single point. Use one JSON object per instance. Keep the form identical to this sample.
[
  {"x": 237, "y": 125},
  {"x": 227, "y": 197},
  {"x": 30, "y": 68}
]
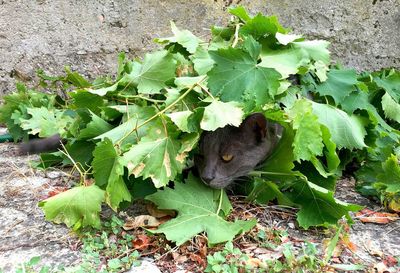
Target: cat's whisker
[{"x": 241, "y": 179}]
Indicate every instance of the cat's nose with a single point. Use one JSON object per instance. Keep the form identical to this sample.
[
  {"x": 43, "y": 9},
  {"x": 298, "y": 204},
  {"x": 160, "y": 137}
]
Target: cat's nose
[{"x": 207, "y": 178}]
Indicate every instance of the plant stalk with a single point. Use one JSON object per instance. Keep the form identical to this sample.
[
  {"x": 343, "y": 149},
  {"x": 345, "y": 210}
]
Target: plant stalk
[{"x": 162, "y": 111}]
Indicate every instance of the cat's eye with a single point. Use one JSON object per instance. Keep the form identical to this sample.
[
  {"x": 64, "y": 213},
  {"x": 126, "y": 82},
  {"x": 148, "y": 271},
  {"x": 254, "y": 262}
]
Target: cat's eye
[{"x": 227, "y": 157}]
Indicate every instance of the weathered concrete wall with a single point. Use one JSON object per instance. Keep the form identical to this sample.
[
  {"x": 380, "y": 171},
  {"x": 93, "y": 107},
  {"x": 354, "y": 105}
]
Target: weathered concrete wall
[{"x": 87, "y": 35}]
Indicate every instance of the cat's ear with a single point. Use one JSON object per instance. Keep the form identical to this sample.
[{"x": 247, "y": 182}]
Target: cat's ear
[{"x": 255, "y": 125}]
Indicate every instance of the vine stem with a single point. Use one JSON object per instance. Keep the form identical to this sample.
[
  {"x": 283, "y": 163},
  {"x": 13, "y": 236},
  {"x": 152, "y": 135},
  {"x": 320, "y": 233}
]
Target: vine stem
[
  {"x": 162, "y": 111},
  {"x": 141, "y": 97},
  {"x": 272, "y": 173},
  {"x": 235, "y": 41},
  {"x": 220, "y": 201},
  {"x": 206, "y": 91}
]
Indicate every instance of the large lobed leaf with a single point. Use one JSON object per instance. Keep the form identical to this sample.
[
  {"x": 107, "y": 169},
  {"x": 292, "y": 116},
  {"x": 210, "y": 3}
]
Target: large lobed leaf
[
  {"x": 318, "y": 207},
  {"x": 391, "y": 108},
  {"x": 236, "y": 76},
  {"x": 307, "y": 142},
  {"x": 339, "y": 85},
  {"x": 46, "y": 122},
  {"x": 182, "y": 37},
  {"x": 150, "y": 77},
  {"x": 108, "y": 172},
  {"x": 197, "y": 208},
  {"x": 219, "y": 114},
  {"x": 346, "y": 131},
  {"x": 389, "y": 179},
  {"x": 157, "y": 156},
  {"x": 77, "y": 207}
]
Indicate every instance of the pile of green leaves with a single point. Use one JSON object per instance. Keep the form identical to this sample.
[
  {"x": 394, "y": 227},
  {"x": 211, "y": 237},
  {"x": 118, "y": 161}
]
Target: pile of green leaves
[{"x": 137, "y": 132}]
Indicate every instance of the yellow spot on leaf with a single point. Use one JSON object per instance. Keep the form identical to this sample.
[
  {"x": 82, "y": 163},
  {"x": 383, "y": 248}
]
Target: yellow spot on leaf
[
  {"x": 138, "y": 169},
  {"x": 156, "y": 182},
  {"x": 167, "y": 164},
  {"x": 181, "y": 157}
]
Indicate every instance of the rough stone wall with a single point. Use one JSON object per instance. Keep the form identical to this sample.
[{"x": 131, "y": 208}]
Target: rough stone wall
[{"x": 87, "y": 35}]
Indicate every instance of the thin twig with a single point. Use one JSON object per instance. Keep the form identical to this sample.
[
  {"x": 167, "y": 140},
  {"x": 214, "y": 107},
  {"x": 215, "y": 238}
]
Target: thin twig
[
  {"x": 235, "y": 41},
  {"x": 220, "y": 201},
  {"x": 162, "y": 111}
]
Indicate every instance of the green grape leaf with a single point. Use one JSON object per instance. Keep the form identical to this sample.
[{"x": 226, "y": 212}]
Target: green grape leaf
[
  {"x": 316, "y": 50},
  {"x": 46, "y": 122},
  {"x": 346, "y": 131},
  {"x": 252, "y": 47},
  {"x": 134, "y": 116},
  {"x": 197, "y": 208},
  {"x": 240, "y": 12},
  {"x": 183, "y": 37},
  {"x": 308, "y": 141},
  {"x": 264, "y": 191},
  {"x": 285, "y": 61},
  {"x": 356, "y": 100},
  {"x": 151, "y": 75},
  {"x": 108, "y": 171},
  {"x": 86, "y": 100},
  {"x": 236, "y": 76},
  {"x": 389, "y": 179},
  {"x": 391, "y": 84},
  {"x": 10, "y": 114},
  {"x": 202, "y": 61},
  {"x": 155, "y": 156},
  {"x": 260, "y": 26},
  {"x": 339, "y": 85},
  {"x": 48, "y": 160},
  {"x": 103, "y": 91},
  {"x": 80, "y": 151},
  {"x": 181, "y": 120},
  {"x": 219, "y": 114},
  {"x": 285, "y": 39},
  {"x": 279, "y": 164},
  {"x": 391, "y": 108},
  {"x": 332, "y": 158},
  {"x": 76, "y": 79},
  {"x": 318, "y": 207},
  {"x": 188, "y": 82},
  {"x": 95, "y": 127},
  {"x": 78, "y": 207},
  {"x": 14, "y": 108}
]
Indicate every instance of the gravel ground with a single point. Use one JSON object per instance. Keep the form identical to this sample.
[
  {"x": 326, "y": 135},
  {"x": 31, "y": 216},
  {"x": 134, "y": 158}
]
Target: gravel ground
[{"x": 24, "y": 233}]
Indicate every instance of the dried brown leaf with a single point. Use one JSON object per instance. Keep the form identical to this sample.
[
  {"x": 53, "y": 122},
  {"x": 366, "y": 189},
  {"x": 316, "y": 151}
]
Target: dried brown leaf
[
  {"x": 255, "y": 262},
  {"x": 370, "y": 216},
  {"x": 390, "y": 261},
  {"x": 141, "y": 242},
  {"x": 141, "y": 221}
]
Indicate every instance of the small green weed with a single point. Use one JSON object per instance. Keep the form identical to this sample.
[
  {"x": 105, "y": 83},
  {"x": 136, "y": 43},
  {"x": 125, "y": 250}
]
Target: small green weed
[
  {"x": 285, "y": 256},
  {"x": 111, "y": 250},
  {"x": 232, "y": 260},
  {"x": 30, "y": 267}
]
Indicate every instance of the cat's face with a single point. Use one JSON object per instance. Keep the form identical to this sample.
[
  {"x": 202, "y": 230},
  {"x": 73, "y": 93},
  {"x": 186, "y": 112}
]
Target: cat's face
[{"x": 230, "y": 152}]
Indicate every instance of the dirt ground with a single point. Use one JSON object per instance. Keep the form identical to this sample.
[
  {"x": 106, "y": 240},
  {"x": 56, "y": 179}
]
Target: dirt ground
[{"x": 25, "y": 233}]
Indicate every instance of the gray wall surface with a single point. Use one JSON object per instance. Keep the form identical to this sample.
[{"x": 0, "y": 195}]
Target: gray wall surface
[{"x": 88, "y": 35}]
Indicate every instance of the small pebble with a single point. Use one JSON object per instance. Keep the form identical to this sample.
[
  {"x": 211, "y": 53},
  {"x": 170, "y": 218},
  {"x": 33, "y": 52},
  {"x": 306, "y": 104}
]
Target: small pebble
[{"x": 145, "y": 267}]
